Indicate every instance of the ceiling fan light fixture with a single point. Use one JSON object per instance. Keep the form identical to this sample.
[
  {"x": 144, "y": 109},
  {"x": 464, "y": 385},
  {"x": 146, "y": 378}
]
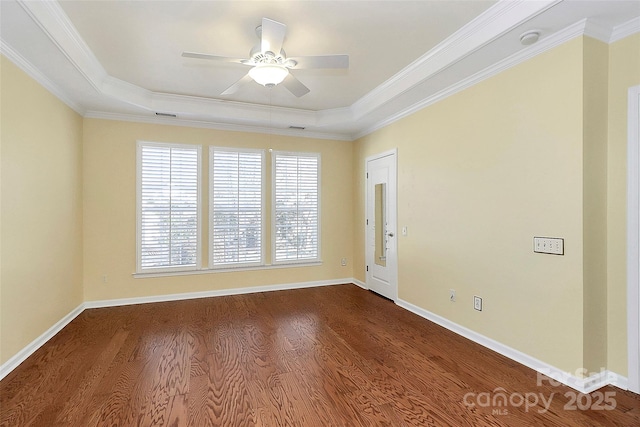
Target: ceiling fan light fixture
[{"x": 268, "y": 75}]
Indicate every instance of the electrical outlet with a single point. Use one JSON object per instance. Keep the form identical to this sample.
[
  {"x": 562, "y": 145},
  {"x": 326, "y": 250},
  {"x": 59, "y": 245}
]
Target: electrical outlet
[
  {"x": 477, "y": 303},
  {"x": 343, "y": 262},
  {"x": 452, "y": 295}
]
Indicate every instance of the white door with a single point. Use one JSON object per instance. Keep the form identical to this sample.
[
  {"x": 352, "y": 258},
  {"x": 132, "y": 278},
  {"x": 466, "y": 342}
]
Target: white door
[
  {"x": 633, "y": 240},
  {"x": 381, "y": 224}
]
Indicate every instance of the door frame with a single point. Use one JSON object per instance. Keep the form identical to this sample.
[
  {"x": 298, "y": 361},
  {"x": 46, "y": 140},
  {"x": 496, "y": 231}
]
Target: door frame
[
  {"x": 393, "y": 272},
  {"x": 633, "y": 239}
]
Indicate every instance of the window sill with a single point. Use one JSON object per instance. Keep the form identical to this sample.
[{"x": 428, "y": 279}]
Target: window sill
[{"x": 224, "y": 270}]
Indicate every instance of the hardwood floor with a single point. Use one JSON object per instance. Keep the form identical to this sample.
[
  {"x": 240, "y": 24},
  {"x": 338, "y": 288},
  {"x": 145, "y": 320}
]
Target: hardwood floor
[{"x": 330, "y": 356}]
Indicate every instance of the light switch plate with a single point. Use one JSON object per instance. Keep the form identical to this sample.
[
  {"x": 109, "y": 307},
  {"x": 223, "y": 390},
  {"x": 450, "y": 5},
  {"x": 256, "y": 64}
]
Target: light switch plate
[{"x": 548, "y": 245}]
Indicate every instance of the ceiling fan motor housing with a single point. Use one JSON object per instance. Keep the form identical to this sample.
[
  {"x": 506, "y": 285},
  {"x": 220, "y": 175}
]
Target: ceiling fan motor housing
[{"x": 260, "y": 57}]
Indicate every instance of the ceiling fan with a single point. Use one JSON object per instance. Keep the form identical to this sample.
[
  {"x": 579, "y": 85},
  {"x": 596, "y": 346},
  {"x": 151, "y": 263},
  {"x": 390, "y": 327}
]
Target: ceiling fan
[{"x": 269, "y": 63}]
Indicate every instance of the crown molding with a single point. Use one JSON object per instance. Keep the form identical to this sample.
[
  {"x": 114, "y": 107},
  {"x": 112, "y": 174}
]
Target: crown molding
[
  {"x": 35, "y": 74},
  {"x": 53, "y": 21},
  {"x": 213, "y": 125},
  {"x": 219, "y": 108},
  {"x": 625, "y": 30},
  {"x": 581, "y": 28},
  {"x": 488, "y": 26},
  {"x": 50, "y": 17},
  {"x": 496, "y": 21},
  {"x": 543, "y": 45},
  {"x": 597, "y": 32}
]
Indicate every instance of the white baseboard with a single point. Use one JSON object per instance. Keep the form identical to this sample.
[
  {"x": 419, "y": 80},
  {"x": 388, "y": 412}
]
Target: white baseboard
[
  {"x": 213, "y": 293},
  {"x": 359, "y": 283},
  {"x": 618, "y": 380},
  {"x": 27, "y": 351},
  {"x": 583, "y": 385}
]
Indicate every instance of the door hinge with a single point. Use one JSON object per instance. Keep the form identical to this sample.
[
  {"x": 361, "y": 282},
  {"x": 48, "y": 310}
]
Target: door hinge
[
  {"x": 367, "y": 175},
  {"x": 367, "y": 222},
  {"x": 367, "y": 268}
]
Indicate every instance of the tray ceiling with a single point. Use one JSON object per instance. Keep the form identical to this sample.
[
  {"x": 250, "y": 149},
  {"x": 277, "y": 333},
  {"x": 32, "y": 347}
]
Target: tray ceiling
[{"x": 121, "y": 59}]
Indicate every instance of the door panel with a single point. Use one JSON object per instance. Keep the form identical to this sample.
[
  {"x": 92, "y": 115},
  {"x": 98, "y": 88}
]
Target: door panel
[{"x": 381, "y": 223}]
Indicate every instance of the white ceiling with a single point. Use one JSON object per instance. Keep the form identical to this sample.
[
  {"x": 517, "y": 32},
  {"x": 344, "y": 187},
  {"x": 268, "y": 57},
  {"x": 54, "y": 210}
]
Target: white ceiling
[{"x": 121, "y": 59}]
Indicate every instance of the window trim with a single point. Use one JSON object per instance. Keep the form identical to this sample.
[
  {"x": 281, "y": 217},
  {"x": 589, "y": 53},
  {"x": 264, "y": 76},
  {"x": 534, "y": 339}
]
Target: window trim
[
  {"x": 318, "y": 258},
  {"x": 166, "y": 269},
  {"x": 263, "y": 207},
  {"x": 224, "y": 270}
]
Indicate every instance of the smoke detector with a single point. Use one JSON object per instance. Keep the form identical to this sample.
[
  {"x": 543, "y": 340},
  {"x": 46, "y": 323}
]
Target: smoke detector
[{"x": 530, "y": 37}]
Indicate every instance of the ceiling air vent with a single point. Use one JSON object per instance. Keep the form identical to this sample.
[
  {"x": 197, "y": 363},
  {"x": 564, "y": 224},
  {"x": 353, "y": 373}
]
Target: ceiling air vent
[
  {"x": 166, "y": 115},
  {"x": 297, "y": 127}
]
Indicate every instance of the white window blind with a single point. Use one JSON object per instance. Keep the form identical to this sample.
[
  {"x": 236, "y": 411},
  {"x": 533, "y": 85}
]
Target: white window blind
[
  {"x": 168, "y": 206},
  {"x": 236, "y": 207},
  {"x": 296, "y": 207}
]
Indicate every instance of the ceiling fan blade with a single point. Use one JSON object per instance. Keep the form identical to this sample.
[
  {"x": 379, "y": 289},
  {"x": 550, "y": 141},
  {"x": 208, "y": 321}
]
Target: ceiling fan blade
[
  {"x": 211, "y": 57},
  {"x": 237, "y": 85},
  {"x": 322, "y": 61},
  {"x": 295, "y": 86},
  {"x": 272, "y": 35}
]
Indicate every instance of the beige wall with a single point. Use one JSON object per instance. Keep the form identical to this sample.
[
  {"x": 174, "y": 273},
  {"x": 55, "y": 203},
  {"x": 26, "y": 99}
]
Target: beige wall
[
  {"x": 537, "y": 150},
  {"x": 624, "y": 72},
  {"x": 110, "y": 209},
  {"x": 479, "y": 175},
  {"x": 595, "y": 95},
  {"x": 41, "y": 193}
]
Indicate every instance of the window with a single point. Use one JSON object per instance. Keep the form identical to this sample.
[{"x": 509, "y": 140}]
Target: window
[
  {"x": 168, "y": 199},
  {"x": 236, "y": 207},
  {"x": 296, "y": 207},
  {"x": 169, "y": 232}
]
